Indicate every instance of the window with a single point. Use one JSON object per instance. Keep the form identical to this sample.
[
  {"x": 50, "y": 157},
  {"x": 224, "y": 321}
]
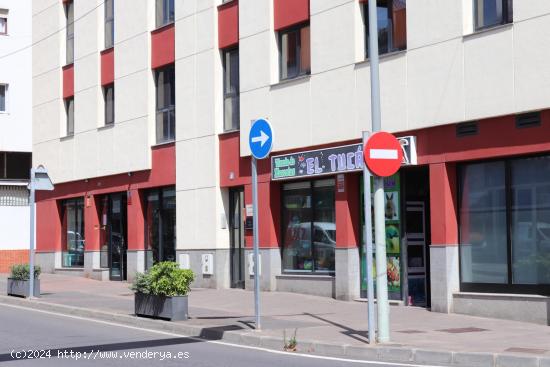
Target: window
[
  {"x": 14, "y": 196},
  {"x": 3, "y": 97},
  {"x": 231, "y": 89},
  {"x": 164, "y": 12},
  {"x": 505, "y": 226},
  {"x": 73, "y": 233},
  {"x": 69, "y": 111},
  {"x": 160, "y": 226},
  {"x": 490, "y": 13},
  {"x": 166, "y": 109},
  {"x": 15, "y": 165},
  {"x": 392, "y": 26},
  {"x": 109, "y": 23},
  {"x": 294, "y": 46},
  {"x": 109, "y": 100},
  {"x": 309, "y": 227},
  {"x": 3, "y": 25},
  {"x": 69, "y": 24}
]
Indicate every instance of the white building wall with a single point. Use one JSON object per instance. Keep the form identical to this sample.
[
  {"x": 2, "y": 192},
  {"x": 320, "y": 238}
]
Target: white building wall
[
  {"x": 16, "y": 123},
  {"x": 448, "y": 73},
  {"x": 95, "y": 150}
]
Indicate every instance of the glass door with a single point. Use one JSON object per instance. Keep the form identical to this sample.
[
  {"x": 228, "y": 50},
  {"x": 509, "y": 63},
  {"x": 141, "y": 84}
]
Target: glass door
[
  {"x": 115, "y": 234},
  {"x": 236, "y": 229},
  {"x": 416, "y": 252}
]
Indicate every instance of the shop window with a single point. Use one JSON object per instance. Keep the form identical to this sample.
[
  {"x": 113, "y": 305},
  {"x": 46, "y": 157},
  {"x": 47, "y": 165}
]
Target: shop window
[
  {"x": 69, "y": 25},
  {"x": 392, "y": 26},
  {"x": 505, "y": 226},
  {"x": 109, "y": 23},
  {"x": 295, "y": 59},
  {"x": 166, "y": 104},
  {"x": 164, "y": 12},
  {"x": 309, "y": 227},
  {"x": 231, "y": 89},
  {"x": 160, "y": 226},
  {"x": 73, "y": 233},
  {"x": 109, "y": 100},
  {"x": 491, "y": 13}
]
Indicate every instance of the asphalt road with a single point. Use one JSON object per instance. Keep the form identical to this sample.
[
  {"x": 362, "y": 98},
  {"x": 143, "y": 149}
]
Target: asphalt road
[{"x": 68, "y": 341}]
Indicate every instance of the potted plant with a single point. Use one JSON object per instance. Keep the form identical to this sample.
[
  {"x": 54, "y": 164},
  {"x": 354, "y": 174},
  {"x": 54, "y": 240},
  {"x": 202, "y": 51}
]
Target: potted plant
[
  {"x": 18, "y": 281},
  {"x": 162, "y": 291}
]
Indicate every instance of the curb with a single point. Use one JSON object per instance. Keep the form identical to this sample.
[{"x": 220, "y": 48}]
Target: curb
[{"x": 378, "y": 353}]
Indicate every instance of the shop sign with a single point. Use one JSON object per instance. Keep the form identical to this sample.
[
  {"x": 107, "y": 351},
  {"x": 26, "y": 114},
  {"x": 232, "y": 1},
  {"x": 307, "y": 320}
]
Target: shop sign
[{"x": 348, "y": 158}]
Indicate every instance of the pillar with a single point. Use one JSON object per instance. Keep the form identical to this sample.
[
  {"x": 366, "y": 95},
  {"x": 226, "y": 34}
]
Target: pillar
[
  {"x": 347, "y": 262},
  {"x": 92, "y": 254},
  {"x": 444, "y": 265},
  {"x": 136, "y": 233}
]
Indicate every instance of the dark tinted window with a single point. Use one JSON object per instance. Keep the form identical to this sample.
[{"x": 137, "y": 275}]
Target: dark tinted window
[
  {"x": 231, "y": 89},
  {"x": 166, "y": 99},
  {"x": 392, "y": 25},
  {"x": 490, "y": 13},
  {"x": 294, "y": 46}
]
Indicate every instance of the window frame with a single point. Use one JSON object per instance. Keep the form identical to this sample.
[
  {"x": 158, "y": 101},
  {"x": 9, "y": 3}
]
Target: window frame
[
  {"x": 109, "y": 20},
  {"x": 164, "y": 19},
  {"x": 311, "y": 188},
  {"x": 69, "y": 102},
  {"x": 295, "y": 28},
  {"x": 367, "y": 33},
  {"x": 507, "y": 16},
  {"x": 69, "y": 32},
  {"x": 106, "y": 116},
  {"x": 166, "y": 109},
  {"x": 78, "y": 203},
  {"x": 509, "y": 286},
  {"x": 162, "y": 207},
  {"x": 235, "y": 126},
  {"x": 5, "y": 87}
]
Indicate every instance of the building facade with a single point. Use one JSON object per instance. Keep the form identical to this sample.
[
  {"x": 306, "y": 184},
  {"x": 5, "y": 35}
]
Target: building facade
[
  {"x": 15, "y": 130},
  {"x": 464, "y": 83}
]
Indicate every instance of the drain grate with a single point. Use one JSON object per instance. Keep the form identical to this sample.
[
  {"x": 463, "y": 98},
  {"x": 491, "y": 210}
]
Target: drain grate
[
  {"x": 526, "y": 350},
  {"x": 463, "y": 330}
]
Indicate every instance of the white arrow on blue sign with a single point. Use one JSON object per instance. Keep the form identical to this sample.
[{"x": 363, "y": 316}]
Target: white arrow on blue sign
[{"x": 260, "y": 139}]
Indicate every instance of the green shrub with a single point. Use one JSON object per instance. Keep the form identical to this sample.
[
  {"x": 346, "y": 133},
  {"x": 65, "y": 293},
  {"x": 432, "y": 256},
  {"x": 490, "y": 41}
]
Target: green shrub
[
  {"x": 164, "y": 279},
  {"x": 21, "y": 272}
]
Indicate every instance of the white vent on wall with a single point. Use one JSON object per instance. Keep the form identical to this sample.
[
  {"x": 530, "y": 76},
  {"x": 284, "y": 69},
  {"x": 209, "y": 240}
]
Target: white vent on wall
[
  {"x": 14, "y": 196},
  {"x": 184, "y": 261},
  {"x": 251, "y": 263}
]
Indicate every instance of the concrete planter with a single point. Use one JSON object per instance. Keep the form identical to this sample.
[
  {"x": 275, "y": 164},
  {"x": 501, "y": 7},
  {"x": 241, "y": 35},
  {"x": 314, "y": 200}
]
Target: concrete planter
[
  {"x": 170, "y": 308},
  {"x": 20, "y": 288}
]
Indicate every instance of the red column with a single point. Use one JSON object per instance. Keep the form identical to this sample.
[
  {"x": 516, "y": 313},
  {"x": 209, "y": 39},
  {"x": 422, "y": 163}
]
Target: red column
[
  {"x": 443, "y": 204},
  {"x": 48, "y": 226},
  {"x": 347, "y": 212},
  {"x": 136, "y": 221},
  {"x": 91, "y": 223}
]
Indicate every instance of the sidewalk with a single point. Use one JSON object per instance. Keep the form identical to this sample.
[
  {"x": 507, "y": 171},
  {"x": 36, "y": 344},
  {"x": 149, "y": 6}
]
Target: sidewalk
[{"x": 323, "y": 325}]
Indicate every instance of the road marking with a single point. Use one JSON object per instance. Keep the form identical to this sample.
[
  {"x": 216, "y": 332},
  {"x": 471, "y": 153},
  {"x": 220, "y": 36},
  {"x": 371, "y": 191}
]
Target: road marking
[
  {"x": 337, "y": 359},
  {"x": 383, "y": 154}
]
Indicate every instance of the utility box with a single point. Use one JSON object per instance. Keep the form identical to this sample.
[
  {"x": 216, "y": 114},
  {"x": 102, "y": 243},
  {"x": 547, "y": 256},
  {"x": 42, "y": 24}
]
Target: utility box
[
  {"x": 207, "y": 264},
  {"x": 251, "y": 263},
  {"x": 184, "y": 261}
]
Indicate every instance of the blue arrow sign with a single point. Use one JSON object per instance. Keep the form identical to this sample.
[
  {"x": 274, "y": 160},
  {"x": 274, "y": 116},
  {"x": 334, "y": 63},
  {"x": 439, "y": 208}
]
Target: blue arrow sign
[{"x": 260, "y": 139}]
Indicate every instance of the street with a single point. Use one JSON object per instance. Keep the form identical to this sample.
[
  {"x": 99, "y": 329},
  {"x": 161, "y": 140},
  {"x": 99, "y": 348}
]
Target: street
[{"x": 66, "y": 340}]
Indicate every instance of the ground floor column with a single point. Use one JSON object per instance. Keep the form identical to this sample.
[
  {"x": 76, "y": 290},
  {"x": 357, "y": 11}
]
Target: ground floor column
[
  {"x": 136, "y": 234},
  {"x": 444, "y": 264},
  {"x": 347, "y": 262},
  {"x": 92, "y": 250}
]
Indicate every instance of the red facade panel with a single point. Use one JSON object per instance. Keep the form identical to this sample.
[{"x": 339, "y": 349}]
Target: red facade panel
[
  {"x": 290, "y": 12},
  {"x": 108, "y": 66},
  {"x": 68, "y": 81},
  {"x": 163, "y": 46},
  {"x": 228, "y": 24}
]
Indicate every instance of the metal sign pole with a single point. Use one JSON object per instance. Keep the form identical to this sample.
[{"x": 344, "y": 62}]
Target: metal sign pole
[
  {"x": 379, "y": 220},
  {"x": 32, "y": 234},
  {"x": 368, "y": 247},
  {"x": 256, "y": 243}
]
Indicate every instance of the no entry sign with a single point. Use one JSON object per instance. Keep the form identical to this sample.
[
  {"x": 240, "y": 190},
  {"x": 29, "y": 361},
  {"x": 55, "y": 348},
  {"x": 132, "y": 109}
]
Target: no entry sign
[{"x": 383, "y": 154}]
